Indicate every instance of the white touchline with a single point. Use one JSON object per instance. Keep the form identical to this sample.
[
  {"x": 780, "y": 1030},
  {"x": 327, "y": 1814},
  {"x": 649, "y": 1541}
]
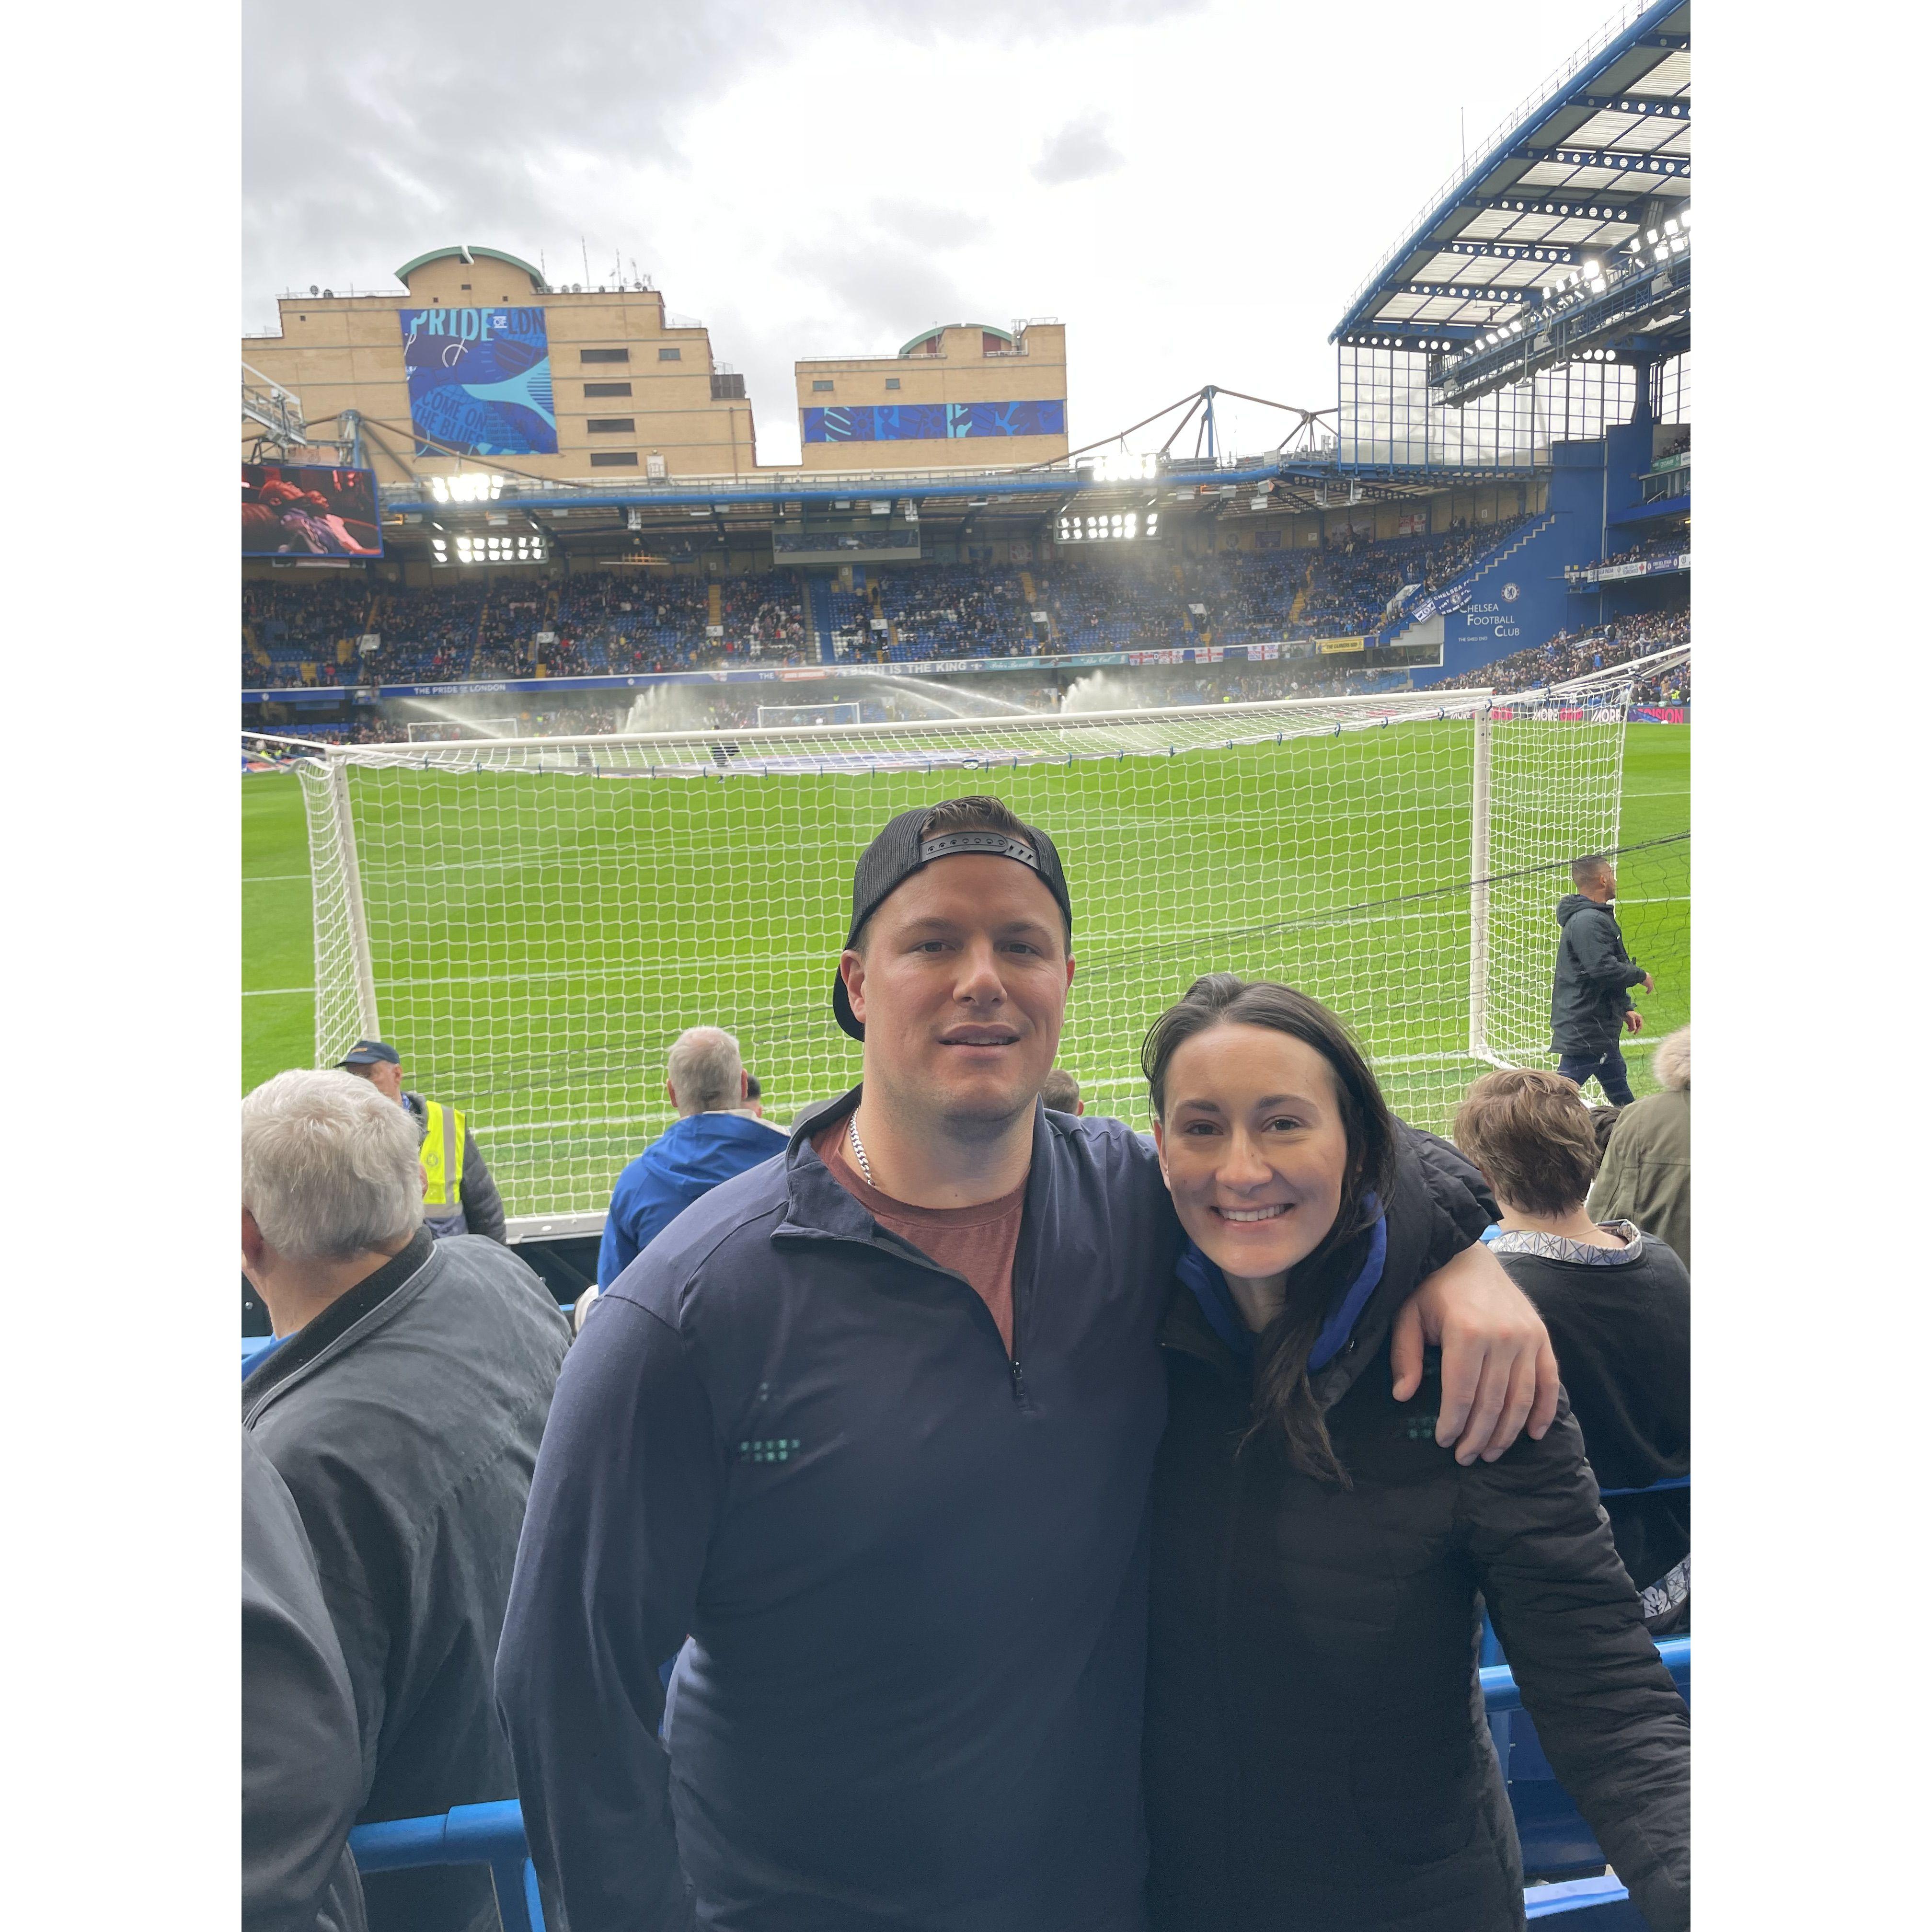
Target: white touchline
[{"x": 273, "y": 992}]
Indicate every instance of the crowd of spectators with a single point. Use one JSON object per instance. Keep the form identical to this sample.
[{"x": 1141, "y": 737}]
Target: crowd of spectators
[
  {"x": 1667, "y": 543},
  {"x": 1576, "y": 654},
  {"x": 480, "y": 627},
  {"x": 1135, "y": 597}
]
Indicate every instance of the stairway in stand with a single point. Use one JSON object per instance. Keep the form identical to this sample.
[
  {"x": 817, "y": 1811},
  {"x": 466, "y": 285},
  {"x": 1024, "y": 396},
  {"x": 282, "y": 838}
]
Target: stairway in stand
[
  {"x": 1483, "y": 565},
  {"x": 818, "y": 607}
]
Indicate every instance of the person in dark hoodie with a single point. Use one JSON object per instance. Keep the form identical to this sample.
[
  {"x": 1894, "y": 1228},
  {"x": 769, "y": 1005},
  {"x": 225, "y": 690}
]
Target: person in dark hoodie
[
  {"x": 713, "y": 1137},
  {"x": 1316, "y": 1756},
  {"x": 1618, "y": 1302},
  {"x": 1590, "y": 1008}
]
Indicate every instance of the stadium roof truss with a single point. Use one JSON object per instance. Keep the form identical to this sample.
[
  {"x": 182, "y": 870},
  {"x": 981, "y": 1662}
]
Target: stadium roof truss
[{"x": 1558, "y": 240}]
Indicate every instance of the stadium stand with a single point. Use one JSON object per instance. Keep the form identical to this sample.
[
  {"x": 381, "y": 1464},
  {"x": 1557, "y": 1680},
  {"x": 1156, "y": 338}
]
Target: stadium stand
[
  {"x": 599, "y": 622},
  {"x": 1566, "y": 656}
]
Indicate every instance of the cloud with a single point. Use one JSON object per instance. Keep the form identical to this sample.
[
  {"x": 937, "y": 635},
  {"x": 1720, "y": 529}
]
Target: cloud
[
  {"x": 930, "y": 226},
  {"x": 875, "y": 289},
  {"x": 420, "y": 127},
  {"x": 1082, "y": 150}
]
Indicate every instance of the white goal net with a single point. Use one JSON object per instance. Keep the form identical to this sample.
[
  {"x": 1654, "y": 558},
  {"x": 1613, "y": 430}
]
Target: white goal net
[
  {"x": 445, "y": 731},
  {"x": 532, "y": 923},
  {"x": 778, "y": 716}
]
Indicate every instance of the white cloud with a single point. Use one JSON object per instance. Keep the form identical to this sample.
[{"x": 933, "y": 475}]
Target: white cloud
[
  {"x": 829, "y": 181},
  {"x": 1080, "y": 151}
]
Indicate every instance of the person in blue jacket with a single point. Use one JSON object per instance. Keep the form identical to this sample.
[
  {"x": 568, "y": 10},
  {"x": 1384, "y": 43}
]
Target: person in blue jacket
[
  {"x": 711, "y": 1139},
  {"x": 862, "y": 1440}
]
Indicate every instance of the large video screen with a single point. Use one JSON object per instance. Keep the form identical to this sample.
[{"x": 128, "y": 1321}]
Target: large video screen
[
  {"x": 292, "y": 509},
  {"x": 479, "y": 381}
]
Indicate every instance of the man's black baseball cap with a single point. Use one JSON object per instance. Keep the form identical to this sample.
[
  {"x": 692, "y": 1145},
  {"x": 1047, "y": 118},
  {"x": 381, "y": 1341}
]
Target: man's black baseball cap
[
  {"x": 899, "y": 852},
  {"x": 367, "y": 1052}
]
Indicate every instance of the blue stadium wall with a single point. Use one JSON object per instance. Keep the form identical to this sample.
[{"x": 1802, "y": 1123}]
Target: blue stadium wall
[{"x": 1522, "y": 598}]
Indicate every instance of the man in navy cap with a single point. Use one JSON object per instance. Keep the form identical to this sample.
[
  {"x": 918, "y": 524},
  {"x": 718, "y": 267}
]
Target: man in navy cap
[
  {"x": 459, "y": 1197},
  {"x": 864, "y": 1442}
]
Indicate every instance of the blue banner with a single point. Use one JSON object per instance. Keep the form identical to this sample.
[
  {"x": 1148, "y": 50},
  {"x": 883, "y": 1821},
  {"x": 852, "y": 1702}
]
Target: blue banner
[
  {"x": 935, "y": 422},
  {"x": 479, "y": 381}
]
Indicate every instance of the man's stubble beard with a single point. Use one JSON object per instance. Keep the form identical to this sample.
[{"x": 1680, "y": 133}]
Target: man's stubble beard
[{"x": 918, "y": 1106}]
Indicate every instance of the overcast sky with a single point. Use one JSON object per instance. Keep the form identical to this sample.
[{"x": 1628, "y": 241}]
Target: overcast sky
[{"x": 1196, "y": 188}]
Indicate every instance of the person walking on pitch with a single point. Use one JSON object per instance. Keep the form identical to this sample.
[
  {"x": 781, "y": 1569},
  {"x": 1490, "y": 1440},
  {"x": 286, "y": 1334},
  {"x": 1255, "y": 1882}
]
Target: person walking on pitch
[{"x": 1590, "y": 1007}]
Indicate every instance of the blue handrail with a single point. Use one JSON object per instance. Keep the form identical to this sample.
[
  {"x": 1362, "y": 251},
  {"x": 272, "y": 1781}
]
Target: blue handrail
[
  {"x": 1652, "y": 1489},
  {"x": 470, "y": 1834},
  {"x": 492, "y": 1835}
]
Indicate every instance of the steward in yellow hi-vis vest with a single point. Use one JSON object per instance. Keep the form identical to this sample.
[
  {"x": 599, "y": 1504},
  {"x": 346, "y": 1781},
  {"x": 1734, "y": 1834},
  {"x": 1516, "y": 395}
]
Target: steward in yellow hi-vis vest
[{"x": 459, "y": 1197}]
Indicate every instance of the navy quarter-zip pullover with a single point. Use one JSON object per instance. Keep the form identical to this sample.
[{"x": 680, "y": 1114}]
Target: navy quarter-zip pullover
[{"x": 912, "y": 1568}]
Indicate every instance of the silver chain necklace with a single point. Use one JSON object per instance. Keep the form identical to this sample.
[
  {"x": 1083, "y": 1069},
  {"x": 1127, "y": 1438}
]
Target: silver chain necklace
[{"x": 859, "y": 1148}]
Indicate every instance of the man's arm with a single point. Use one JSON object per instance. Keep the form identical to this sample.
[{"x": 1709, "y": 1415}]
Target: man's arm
[
  {"x": 482, "y": 1205},
  {"x": 628, "y": 1484},
  {"x": 302, "y": 1781},
  {"x": 616, "y": 1251},
  {"x": 1498, "y": 1369}
]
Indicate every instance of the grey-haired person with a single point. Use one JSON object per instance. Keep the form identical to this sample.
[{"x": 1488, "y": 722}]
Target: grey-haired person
[
  {"x": 864, "y": 1443},
  {"x": 401, "y": 1403}
]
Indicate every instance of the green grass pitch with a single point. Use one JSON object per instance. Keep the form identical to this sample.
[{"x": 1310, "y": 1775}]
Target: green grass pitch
[{"x": 550, "y": 1025}]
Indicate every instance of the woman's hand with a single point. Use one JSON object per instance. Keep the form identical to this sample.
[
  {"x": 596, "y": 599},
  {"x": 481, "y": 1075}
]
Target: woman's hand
[{"x": 1498, "y": 1369}]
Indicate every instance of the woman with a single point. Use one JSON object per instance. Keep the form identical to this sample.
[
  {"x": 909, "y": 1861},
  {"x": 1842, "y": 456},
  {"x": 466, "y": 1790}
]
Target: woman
[{"x": 1316, "y": 1756}]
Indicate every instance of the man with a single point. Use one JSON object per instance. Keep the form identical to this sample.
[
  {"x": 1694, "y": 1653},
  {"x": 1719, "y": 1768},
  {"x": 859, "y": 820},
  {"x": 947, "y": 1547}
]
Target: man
[
  {"x": 755, "y": 1097},
  {"x": 1061, "y": 1092},
  {"x": 402, "y": 1404},
  {"x": 1589, "y": 1001},
  {"x": 872, "y": 1426},
  {"x": 471, "y": 1205},
  {"x": 1617, "y": 1303},
  {"x": 1646, "y": 1177},
  {"x": 301, "y": 1755},
  {"x": 713, "y": 1137}
]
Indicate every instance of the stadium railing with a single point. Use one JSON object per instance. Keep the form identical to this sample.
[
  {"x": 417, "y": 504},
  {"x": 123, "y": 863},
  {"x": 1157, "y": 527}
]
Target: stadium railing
[
  {"x": 493, "y": 1835},
  {"x": 471, "y": 1834}
]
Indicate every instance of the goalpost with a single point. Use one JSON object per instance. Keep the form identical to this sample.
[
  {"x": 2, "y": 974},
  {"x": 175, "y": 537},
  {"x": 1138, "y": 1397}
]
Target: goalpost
[
  {"x": 780, "y": 715},
  {"x": 438, "y": 730},
  {"x": 532, "y": 922}
]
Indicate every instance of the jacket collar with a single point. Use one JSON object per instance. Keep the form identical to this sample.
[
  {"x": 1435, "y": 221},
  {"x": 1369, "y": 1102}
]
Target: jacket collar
[
  {"x": 336, "y": 1322},
  {"x": 818, "y": 1208},
  {"x": 1209, "y": 1287}
]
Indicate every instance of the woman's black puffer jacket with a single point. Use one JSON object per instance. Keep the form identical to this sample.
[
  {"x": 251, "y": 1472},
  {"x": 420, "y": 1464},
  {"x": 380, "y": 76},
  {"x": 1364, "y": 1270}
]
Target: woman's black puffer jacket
[{"x": 1316, "y": 1757}]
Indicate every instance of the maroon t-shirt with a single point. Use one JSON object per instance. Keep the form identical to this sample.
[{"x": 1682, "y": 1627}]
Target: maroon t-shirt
[{"x": 977, "y": 1242}]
